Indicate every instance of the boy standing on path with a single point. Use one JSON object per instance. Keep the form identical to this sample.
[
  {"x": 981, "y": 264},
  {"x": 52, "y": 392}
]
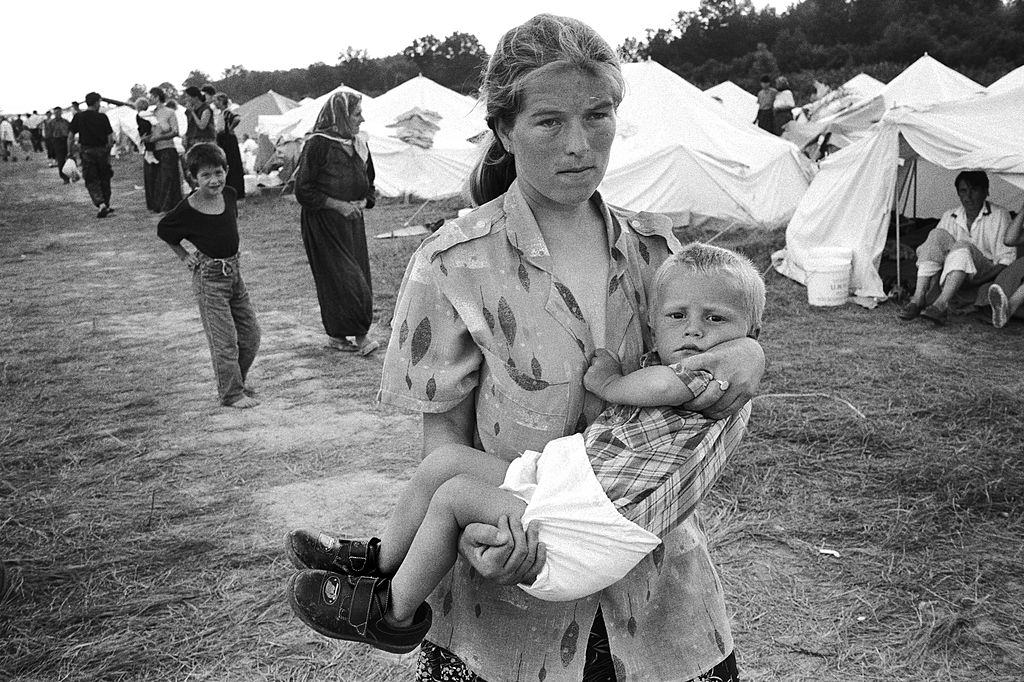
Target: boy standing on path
[
  {"x": 96, "y": 138},
  {"x": 208, "y": 218}
]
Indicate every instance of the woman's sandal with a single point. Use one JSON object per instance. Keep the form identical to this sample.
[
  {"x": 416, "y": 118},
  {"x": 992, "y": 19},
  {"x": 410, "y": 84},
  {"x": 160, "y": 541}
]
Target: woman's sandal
[
  {"x": 353, "y": 608},
  {"x": 328, "y": 553},
  {"x": 344, "y": 345},
  {"x": 367, "y": 348}
]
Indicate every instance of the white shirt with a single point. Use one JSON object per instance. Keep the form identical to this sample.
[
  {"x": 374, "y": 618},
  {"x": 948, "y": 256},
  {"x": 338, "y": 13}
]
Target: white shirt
[
  {"x": 6, "y": 131},
  {"x": 986, "y": 232}
]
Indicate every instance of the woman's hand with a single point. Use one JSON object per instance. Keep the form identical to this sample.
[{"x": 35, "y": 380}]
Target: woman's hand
[
  {"x": 504, "y": 554},
  {"x": 603, "y": 366},
  {"x": 740, "y": 363},
  {"x": 347, "y": 209}
]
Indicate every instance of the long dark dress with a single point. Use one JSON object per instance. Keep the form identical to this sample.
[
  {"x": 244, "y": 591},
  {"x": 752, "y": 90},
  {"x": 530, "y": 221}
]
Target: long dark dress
[
  {"x": 335, "y": 245},
  {"x": 227, "y": 141}
]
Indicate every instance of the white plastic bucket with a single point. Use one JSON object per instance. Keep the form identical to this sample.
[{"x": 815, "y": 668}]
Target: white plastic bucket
[{"x": 828, "y": 275}]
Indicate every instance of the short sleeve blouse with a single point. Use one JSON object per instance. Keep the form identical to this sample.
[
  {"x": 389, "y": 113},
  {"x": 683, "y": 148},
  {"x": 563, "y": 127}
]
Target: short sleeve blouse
[{"x": 479, "y": 313}]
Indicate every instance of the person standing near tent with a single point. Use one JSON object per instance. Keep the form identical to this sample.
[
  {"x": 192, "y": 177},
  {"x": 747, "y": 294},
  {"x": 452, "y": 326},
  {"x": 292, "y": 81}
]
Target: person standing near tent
[
  {"x": 168, "y": 180},
  {"x": 199, "y": 116},
  {"x": 782, "y": 106},
  {"x": 96, "y": 139},
  {"x": 1006, "y": 294},
  {"x": 227, "y": 141},
  {"x": 334, "y": 183},
  {"x": 765, "y": 101},
  {"x": 494, "y": 325},
  {"x": 967, "y": 246}
]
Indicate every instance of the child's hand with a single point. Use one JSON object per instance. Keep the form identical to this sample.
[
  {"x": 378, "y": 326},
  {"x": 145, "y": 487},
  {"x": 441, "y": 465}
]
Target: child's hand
[
  {"x": 191, "y": 261},
  {"x": 603, "y": 366}
]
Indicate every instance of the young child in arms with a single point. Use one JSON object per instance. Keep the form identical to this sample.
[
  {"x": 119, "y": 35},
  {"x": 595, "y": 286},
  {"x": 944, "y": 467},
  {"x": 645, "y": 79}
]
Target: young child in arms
[
  {"x": 602, "y": 499},
  {"x": 208, "y": 218}
]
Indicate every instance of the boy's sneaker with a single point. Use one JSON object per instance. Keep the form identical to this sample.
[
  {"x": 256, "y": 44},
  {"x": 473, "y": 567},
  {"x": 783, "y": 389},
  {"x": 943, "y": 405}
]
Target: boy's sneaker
[
  {"x": 353, "y": 608},
  {"x": 328, "y": 553}
]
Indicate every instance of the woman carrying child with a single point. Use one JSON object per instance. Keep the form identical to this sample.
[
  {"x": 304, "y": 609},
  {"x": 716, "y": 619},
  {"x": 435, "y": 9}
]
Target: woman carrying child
[{"x": 498, "y": 316}]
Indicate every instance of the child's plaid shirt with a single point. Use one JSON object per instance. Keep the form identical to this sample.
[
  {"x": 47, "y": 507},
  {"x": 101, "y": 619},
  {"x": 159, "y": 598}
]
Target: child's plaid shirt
[{"x": 656, "y": 463}]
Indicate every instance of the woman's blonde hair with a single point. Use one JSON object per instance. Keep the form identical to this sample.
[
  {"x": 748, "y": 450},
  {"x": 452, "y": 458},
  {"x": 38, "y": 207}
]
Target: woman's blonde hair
[
  {"x": 706, "y": 259},
  {"x": 542, "y": 42}
]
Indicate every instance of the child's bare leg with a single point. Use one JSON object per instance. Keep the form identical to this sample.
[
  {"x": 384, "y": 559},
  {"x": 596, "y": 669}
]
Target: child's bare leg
[
  {"x": 456, "y": 504},
  {"x": 439, "y": 467}
]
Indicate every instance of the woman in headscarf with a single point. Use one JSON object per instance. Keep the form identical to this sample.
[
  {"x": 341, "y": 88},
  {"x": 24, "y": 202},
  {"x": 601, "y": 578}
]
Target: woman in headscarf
[
  {"x": 334, "y": 183},
  {"x": 227, "y": 120}
]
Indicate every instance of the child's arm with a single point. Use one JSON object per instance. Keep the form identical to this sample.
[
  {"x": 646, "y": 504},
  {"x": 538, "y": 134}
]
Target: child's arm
[
  {"x": 188, "y": 258},
  {"x": 646, "y": 387}
]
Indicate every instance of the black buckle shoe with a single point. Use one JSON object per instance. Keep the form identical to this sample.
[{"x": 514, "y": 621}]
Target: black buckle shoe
[
  {"x": 353, "y": 608},
  {"x": 328, "y": 553}
]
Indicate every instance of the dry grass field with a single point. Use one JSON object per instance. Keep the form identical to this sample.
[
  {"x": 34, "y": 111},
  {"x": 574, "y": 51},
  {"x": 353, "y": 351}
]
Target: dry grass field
[{"x": 871, "y": 527}]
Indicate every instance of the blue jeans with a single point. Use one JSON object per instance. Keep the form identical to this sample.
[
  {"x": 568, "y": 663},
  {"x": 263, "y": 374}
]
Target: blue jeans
[{"x": 229, "y": 322}]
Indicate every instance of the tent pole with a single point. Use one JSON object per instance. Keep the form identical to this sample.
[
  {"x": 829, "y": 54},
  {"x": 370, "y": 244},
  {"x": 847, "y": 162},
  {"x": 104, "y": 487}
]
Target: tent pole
[
  {"x": 897, "y": 291},
  {"x": 915, "y": 187},
  {"x": 422, "y": 206}
]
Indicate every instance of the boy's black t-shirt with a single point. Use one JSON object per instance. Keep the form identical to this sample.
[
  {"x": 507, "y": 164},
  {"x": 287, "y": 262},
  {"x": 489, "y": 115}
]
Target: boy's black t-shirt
[
  {"x": 92, "y": 128},
  {"x": 214, "y": 235}
]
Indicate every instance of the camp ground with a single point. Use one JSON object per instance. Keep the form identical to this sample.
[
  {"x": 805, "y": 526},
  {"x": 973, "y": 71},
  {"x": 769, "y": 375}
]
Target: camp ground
[{"x": 868, "y": 528}]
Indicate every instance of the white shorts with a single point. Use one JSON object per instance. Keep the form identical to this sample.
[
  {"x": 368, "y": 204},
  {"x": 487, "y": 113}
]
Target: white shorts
[{"x": 589, "y": 544}]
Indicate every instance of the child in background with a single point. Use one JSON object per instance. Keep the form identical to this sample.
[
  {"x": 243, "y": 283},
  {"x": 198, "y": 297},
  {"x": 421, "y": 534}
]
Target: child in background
[
  {"x": 603, "y": 498},
  {"x": 208, "y": 219}
]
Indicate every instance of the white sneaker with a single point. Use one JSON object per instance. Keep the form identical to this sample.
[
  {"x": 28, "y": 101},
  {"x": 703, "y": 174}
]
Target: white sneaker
[{"x": 1000, "y": 306}]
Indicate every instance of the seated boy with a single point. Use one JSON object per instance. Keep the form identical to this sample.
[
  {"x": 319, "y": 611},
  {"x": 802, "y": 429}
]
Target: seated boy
[
  {"x": 208, "y": 218},
  {"x": 602, "y": 498}
]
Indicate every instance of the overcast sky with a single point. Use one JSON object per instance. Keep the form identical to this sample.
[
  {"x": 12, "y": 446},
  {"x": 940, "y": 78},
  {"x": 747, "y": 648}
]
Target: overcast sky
[{"x": 54, "y": 51}]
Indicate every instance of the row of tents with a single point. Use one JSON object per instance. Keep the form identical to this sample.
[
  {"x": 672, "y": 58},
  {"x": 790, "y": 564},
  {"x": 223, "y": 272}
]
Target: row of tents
[
  {"x": 901, "y": 145},
  {"x": 679, "y": 151},
  {"x": 697, "y": 156}
]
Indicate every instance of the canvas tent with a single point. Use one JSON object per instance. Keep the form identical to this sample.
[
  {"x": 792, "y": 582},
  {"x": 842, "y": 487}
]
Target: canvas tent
[
  {"x": 849, "y": 202},
  {"x": 675, "y": 153},
  {"x": 860, "y": 103},
  {"x": 1014, "y": 79},
  {"x": 735, "y": 99},
  {"x": 863, "y": 86},
  {"x": 268, "y": 104},
  {"x": 299, "y": 120},
  {"x": 926, "y": 82},
  {"x": 421, "y": 135}
]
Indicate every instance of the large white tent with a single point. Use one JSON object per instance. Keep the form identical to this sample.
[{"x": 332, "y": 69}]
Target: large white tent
[
  {"x": 295, "y": 123},
  {"x": 675, "y": 153},
  {"x": 862, "y": 101},
  {"x": 269, "y": 103},
  {"x": 926, "y": 82},
  {"x": 1014, "y": 79},
  {"x": 849, "y": 202},
  {"x": 434, "y": 164},
  {"x": 735, "y": 99}
]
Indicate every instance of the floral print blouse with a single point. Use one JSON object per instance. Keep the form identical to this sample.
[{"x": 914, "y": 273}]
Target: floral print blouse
[{"x": 480, "y": 312}]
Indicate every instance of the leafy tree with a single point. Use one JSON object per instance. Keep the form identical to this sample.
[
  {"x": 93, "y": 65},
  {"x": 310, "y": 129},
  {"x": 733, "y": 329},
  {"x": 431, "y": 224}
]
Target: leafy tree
[
  {"x": 454, "y": 62},
  {"x": 195, "y": 78},
  {"x": 234, "y": 70}
]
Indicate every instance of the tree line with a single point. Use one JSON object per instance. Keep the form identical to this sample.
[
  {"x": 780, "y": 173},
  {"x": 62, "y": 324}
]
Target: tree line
[{"x": 825, "y": 40}]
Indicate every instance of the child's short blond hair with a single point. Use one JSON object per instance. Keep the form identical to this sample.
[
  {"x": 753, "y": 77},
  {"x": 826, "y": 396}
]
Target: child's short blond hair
[{"x": 707, "y": 259}]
